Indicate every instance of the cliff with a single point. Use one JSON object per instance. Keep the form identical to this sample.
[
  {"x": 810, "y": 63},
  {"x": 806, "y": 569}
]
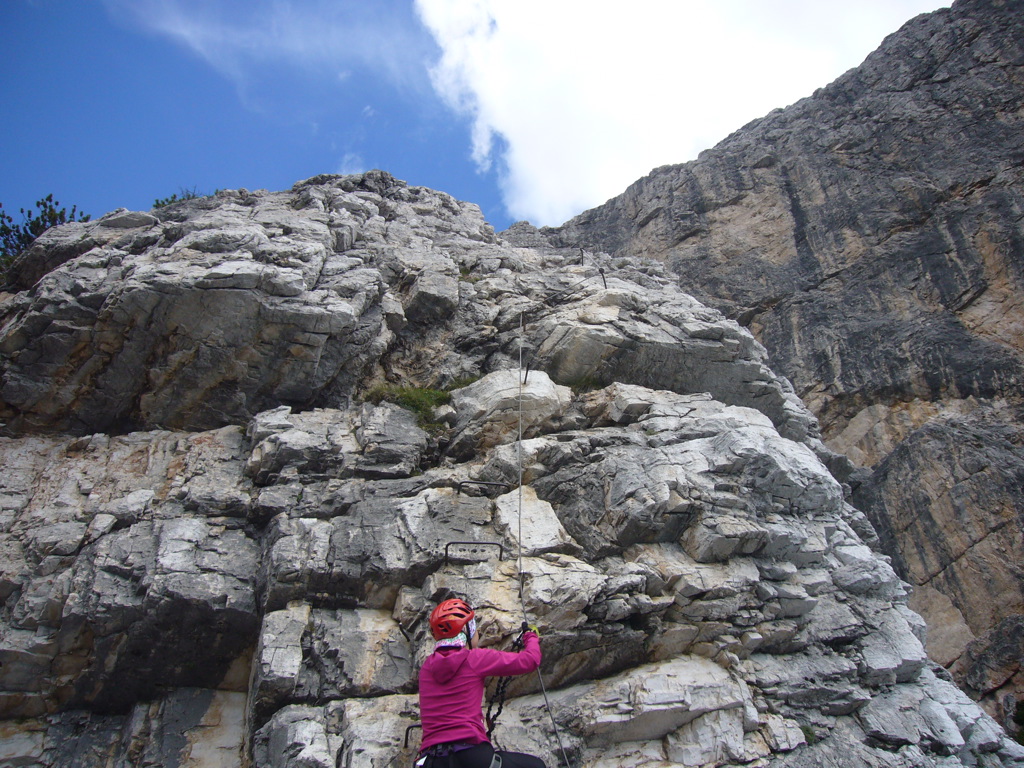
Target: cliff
[
  {"x": 222, "y": 532},
  {"x": 870, "y": 236},
  {"x": 249, "y": 439}
]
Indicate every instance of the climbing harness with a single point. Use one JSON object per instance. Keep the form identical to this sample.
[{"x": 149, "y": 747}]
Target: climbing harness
[{"x": 447, "y": 750}]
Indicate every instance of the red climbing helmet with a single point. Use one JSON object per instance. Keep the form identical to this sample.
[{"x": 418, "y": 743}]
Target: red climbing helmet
[{"x": 449, "y": 618}]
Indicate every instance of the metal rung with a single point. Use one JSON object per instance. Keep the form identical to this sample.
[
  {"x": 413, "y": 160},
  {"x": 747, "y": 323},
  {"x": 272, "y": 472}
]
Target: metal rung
[
  {"x": 501, "y": 549},
  {"x": 458, "y": 488},
  {"x": 411, "y": 727}
]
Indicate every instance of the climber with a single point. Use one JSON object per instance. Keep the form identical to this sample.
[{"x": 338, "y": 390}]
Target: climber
[{"x": 452, "y": 689}]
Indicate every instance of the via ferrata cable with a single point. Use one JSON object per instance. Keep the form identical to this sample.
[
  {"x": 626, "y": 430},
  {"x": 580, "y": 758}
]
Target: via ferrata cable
[{"x": 519, "y": 542}]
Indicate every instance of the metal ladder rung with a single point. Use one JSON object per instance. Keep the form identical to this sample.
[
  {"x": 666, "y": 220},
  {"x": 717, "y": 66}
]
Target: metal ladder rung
[{"x": 474, "y": 544}]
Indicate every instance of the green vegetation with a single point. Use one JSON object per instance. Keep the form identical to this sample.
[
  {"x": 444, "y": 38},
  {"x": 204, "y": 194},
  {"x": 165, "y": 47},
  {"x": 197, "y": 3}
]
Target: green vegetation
[
  {"x": 1018, "y": 720},
  {"x": 15, "y": 238},
  {"x": 809, "y": 735},
  {"x": 467, "y": 276},
  {"x": 462, "y": 381},
  {"x": 181, "y": 195},
  {"x": 584, "y": 384},
  {"x": 420, "y": 400}
]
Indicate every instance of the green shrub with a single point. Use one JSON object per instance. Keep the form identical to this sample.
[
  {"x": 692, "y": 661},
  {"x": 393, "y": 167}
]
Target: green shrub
[
  {"x": 584, "y": 384},
  {"x": 463, "y": 381},
  {"x": 420, "y": 400},
  {"x": 15, "y": 238},
  {"x": 180, "y": 196}
]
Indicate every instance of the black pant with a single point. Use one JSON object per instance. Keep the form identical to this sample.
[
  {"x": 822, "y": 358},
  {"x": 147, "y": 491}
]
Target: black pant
[{"x": 480, "y": 757}]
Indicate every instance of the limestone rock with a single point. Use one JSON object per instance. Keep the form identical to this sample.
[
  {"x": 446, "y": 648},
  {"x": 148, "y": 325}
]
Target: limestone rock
[
  {"x": 188, "y": 727},
  {"x": 375, "y": 731},
  {"x": 994, "y": 663},
  {"x": 296, "y": 737},
  {"x": 256, "y": 582},
  {"x": 153, "y": 595},
  {"x": 868, "y": 236},
  {"x": 958, "y": 475},
  {"x": 650, "y": 702},
  {"x": 433, "y": 297},
  {"x": 250, "y": 299},
  {"x": 382, "y": 441},
  {"x": 487, "y": 411},
  {"x": 523, "y": 514}
]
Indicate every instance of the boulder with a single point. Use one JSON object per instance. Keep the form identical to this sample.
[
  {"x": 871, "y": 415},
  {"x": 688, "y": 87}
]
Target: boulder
[{"x": 488, "y": 411}]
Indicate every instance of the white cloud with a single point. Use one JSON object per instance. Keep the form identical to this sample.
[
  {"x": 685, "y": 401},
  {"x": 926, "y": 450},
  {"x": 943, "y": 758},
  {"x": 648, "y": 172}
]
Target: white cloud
[
  {"x": 352, "y": 163},
  {"x": 569, "y": 100},
  {"x": 239, "y": 37},
  {"x": 586, "y": 96}
]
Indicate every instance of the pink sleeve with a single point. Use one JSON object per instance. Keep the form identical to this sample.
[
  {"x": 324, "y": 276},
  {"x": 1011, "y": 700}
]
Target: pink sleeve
[{"x": 491, "y": 663}]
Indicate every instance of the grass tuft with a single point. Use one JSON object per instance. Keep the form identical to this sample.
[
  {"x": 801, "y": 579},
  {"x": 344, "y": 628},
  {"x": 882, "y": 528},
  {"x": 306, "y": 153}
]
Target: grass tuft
[
  {"x": 809, "y": 735},
  {"x": 420, "y": 400}
]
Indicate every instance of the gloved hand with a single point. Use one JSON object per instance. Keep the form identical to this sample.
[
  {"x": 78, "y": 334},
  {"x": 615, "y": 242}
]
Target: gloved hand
[{"x": 531, "y": 628}]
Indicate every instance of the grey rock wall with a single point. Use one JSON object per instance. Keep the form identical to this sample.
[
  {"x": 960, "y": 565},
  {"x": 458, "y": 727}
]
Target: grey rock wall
[
  {"x": 870, "y": 236},
  {"x": 218, "y": 550}
]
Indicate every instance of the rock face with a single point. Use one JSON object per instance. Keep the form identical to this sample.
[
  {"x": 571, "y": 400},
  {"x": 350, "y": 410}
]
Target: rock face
[
  {"x": 215, "y": 312},
  {"x": 870, "y": 237},
  {"x": 219, "y": 550}
]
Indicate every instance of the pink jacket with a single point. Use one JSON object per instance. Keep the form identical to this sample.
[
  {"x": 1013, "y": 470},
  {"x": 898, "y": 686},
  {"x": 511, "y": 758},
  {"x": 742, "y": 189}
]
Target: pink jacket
[{"x": 452, "y": 689}]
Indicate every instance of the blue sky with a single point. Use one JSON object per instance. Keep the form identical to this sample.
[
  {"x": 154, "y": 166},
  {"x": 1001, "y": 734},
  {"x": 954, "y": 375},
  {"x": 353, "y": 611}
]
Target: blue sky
[{"x": 532, "y": 109}]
